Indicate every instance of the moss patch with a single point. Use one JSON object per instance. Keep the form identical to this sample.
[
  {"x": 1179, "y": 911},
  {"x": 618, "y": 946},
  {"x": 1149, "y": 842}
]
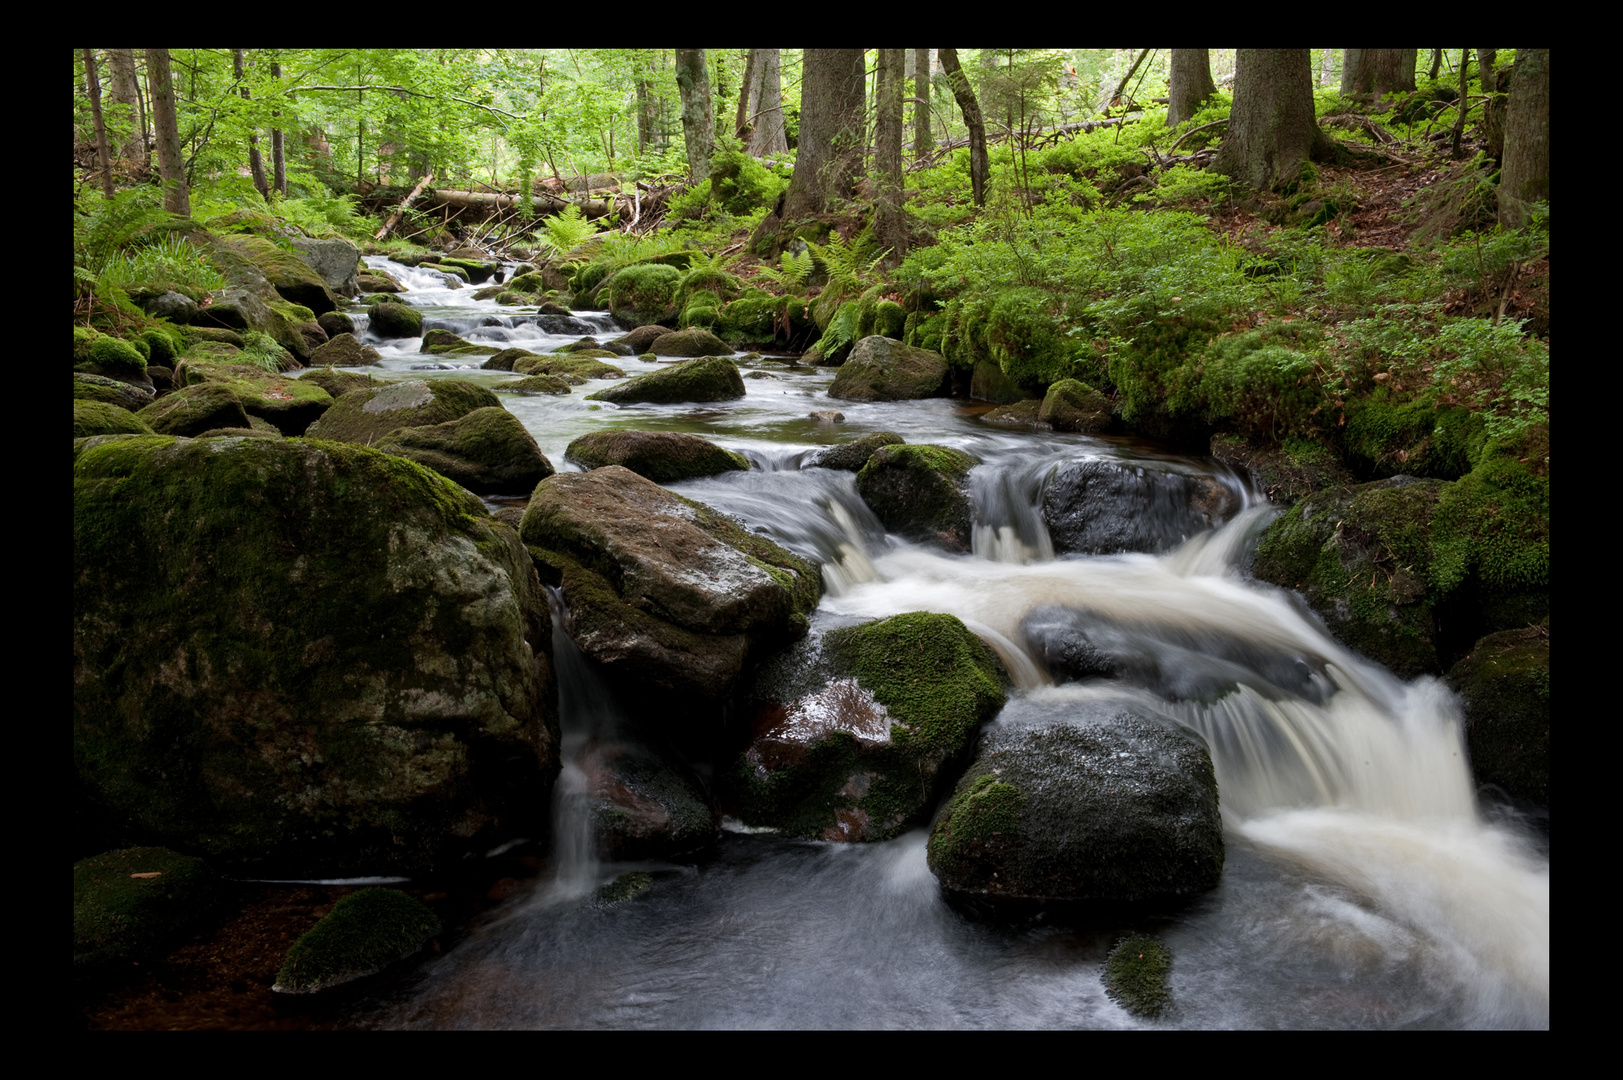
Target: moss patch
[
  {"x": 128, "y": 904},
  {"x": 364, "y": 933},
  {"x": 1136, "y": 975}
]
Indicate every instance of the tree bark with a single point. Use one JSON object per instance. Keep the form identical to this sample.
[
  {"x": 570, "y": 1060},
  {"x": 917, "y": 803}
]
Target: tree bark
[
  {"x": 1191, "y": 84},
  {"x": 1463, "y": 104},
  {"x": 1272, "y": 130},
  {"x": 979, "y": 166},
  {"x": 767, "y": 134},
  {"x": 890, "y": 228},
  {"x": 832, "y": 99},
  {"x": 698, "y": 119},
  {"x": 1378, "y": 72},
  {"x": 749, "y": 93},
  {"x": 278, "y": 144},
  {"x": 256, "y": 164},
  {"x": 104, "y": 157},
  {"x": 1436, "y": 64},
  {"x": 923, "y": 142},
  {"x": 1493, "y": 112},
  {"x": 1524, "y": 175},
  {"x": 171, "y": 165},
  {"x": 125, "y": 92}
]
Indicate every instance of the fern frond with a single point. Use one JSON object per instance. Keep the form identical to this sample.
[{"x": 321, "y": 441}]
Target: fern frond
[{"x": 567, "y": 233}]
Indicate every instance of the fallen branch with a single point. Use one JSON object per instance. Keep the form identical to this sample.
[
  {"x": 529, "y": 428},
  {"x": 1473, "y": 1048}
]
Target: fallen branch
[{"x": 400, "y": 211}]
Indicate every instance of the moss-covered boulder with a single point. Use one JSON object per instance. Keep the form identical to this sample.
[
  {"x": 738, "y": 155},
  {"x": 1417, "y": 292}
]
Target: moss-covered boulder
[
  {"x": 363, "y": 416},
  {"x": 1136, "y": 976},
  {"x": 1110, "y": 807},
  {"x": 921, "y": 492},
  {"x": 644, "y": 293},
  {"x": 336, "y": 261},
  {"x": 863, "y": 752},
  {"x": 288, "y": 272},
  {"x": 662, "y": 456},
  {"x": 290, "y": 404},
  {"x": 693, "y": 341},
  {"x": 129, "y": 904},
  {"x": 1098, "y": 506},
  {"x": 109, "y": 357},
  {"x": 555, "y": 385},
  {"x": 503, "y": 360},
  {"x": 377, "y": 281},
  {"x": 394, "y": 321},
  {"x": 852, "y": 456},
  {"x": 193, "y": 410},
  {"x": 335, "y": 323},
  {"x": 881, "y": 369},
  {"x": 304, "y": 658},
  {"x": 343, "y": 350},
  {"x": 1504, "y": 686},
  {"x": 1070, "y": 405},
  {"x": 1287, "y": 471},
  {"x": 487, "y": 451},
  {"x": 338, "y": 383},
  {"x": 443, "y": 342},
  {"x": 364, "y": 933},
  {"x": 89, "y": 387},
  {"x": 988, "y": 383},
  {"x": 1021, "y": 414},
  {"x": 100, "y": 418},
  {"x": 708, "y": 378},
  {"x": 669, "y": 595},
  {"x": 566, "y": 366},
  {"x": 642, "y": 338}
]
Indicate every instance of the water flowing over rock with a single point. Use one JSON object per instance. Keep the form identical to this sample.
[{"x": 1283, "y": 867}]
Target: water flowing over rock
[
  {"x": 304, "y": 658},
  {"x": 921, "y": 492}
]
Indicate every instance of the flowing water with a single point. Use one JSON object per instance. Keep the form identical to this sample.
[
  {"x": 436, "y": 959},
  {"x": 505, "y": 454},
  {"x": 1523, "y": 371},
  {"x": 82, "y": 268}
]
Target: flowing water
[{"x": 1365, "y": 886}]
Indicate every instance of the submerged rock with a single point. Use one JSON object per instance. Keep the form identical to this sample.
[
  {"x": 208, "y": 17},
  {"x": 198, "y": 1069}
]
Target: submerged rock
[
  {"x": 880, "y": 369},
  {"x": 645, "y": 804},
  {"x": 852, "y": 456},
  {"x": 1111, "y": 808},
  {"x": 1097, "y": 507},
  {"x": 708, "y": 378},
  {"x": 305, "y": 658},
  {"x": 662, "y": 456},
  {"x": 1136, "y": 973},
  {"x": 921, "y": 492}
]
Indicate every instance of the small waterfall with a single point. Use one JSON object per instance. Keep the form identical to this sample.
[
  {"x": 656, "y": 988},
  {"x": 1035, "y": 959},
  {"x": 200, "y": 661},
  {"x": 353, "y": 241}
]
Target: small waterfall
[
  {"x": 588, "y": 717},
  {"x": 1009, "y": 526}
]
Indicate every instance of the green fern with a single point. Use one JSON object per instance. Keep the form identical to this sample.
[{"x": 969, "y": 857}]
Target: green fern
[
  {"x": 793, "y": 272},
  {"x": 568, "y": 234},
  {"x": 847, "y": 273},
  {"x": 104, "y": 227}
]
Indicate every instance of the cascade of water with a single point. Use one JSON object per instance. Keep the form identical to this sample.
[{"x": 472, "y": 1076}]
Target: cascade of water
[
  {"x": 1009, "y": 524},
  {"x": 587, "y": 717}
]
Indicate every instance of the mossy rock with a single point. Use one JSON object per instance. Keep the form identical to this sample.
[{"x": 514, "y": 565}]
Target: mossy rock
[
  {"x": 291, "y": 404},
  {"x": 130, "y": 904},
  {"x": 488, "y": 451},
  {"x": 165, "y": 344},
  {"x": 504, "y": 360},
  {"x": 1504, "y": 688},
  {"x": 288, "y": 272},
  {"x": 1110, "y": 807},
  {"x": 921, "y": 492},
  {"x": 852, "y": 456},
  {"x": 1021, "y": 414},
  {"x": 304, "y": 657},
  {"x": 195, "y": 334},
  {"x": 344, "y": 350},
  {"x": 707, "y": 378},
  {"x": 376, "y": 281},
  {"x": 645, "y": 803},
  {"x": 988, "y": 383},
  {"x": 394, "y": 321},
  {"x": 866, "y": 753},
  {"x": 664, "y": 457},
  {"x": 1070, "y": 405},
  {"x": 193, "y": 410},
  {"x": 880, "y": 369},
  {"x": 555, "y": 385},
  {"x": 641, "y": 293},
  {"x": 1385, "y": 437},
  {"x": 364, "y": 933},
  {"x": 642, "y": 338},
  {"x": 1136, "y": 976},
  {"x": 335, "y": 323},
  {"x": 623, "y": 889},
  {"x": 443, "y": 342},
  {"x": 338, "y": 383},
  {"x": 1287, "y": 471},
  {"x": 693, "y": 341},
  {"x": 567, "y": 366},
  {"x": 89, "y": 387},
  {"x": 112, "y": 357},
  {"x": 363, "y": 416},
  {"x": 102, "y": 418}
]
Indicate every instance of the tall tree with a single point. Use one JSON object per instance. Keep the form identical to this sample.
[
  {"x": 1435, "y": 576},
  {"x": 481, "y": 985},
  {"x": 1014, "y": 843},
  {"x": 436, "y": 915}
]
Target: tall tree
[
  {"x": 979, "y": 166},
  {"x": 1191, "y": 84},
  {"x": 166, "y": 124},
  {"x": 1378, "y": 72},
  {"x": 767, "y": 133},
  {"x": 278, "y": 142},
  {"x": 833, "y": 89},
  {"x": 125, "y": 93},
  {"x": 923, "y": 142},
  {"x": 698, "y": 117},
  {"x": 749, "y": 93},
  {"x": 256, "y": 164},
  {"x": 104, "y": 158},
  {"x": 1494, "y": 82},
  {"x": 1272, "y": 129},
  {"x": 890, "y": 227},
  {"x": 1524, "y": 175}
]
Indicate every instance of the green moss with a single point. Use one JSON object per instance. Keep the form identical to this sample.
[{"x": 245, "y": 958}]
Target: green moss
[
  {"x": 705, "y": 378},
  {"x": 663, "y": 457},
  {"x": 1494, "y": 525},
  {"x": 1136, "y": 975},
  {"x": 164, "y": 344},
  {"x": 1027, "y": 339},
  {"x": 645, "y": 291},
  {"x": 889, "y": 319},
  {"x": 1385, "y": 436},
  {"x": 622, "y": 889},
  {"x": 104, "y": 418},
  {"x": 364, "y": 933},
  {"x": 129, "y": 904},
  {"x": 115, "y": 354}
]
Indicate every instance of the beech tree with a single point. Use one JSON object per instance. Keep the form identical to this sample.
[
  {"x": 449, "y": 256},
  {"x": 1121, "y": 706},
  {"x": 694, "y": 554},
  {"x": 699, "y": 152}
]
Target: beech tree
[
  {"x": 890, "y": 228},
  {"x": 1378, "y": 72},
  {"x": 125, "y": 94},
  {"x": 979, "y": 166},
  {"x": 1524, "y": 175},
  {"x": 833, "y": 90},
  {"x": 698, "y": 117},
  {"x": 1191, "y": 84},
  {"x": 767, "y": 133},
  {"x": 1272, "y": 129},
  {"x": 166, "y": 124}
]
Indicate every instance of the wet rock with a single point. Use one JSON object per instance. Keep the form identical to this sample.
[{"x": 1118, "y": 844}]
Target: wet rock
[
  {"x": 639, "y": 340},
  {"x": 578, "y": 368},
  {"x": 335, "y": 323},
  {"x": 1075, "y": 406},
  {"x": 363, "y": 416},
  {"x": 488, "y": 451},
  {"x": 364, "y": 933},
  {"x": 343, "y": 350},
  {"x": 503, "y": 361},
  {"x": 1289, "y": 471},
  {"x": 1504, "y": 687},
  {"x": 694, "y": 341},
  {"x": 921, "y": 492},
  {"x": 1109, "y": 808},
  {"x": 555, "y": 385},
  {"x": 304, "y": 658},
  {"x": 1096, "y": 507},
  {"x": 645, "y": 804},
  {"x": 855, "y": 744},
  {"x": 708, "y": 378},
  {"x": 174, "y": 306},
  {"x": 880, "y": 369},
  {"x": 826, "y": 416},
  {"x": 1136, "y": 974},
  {"x": 662, "y": 456},
  {"x": 394, "y": 321}
]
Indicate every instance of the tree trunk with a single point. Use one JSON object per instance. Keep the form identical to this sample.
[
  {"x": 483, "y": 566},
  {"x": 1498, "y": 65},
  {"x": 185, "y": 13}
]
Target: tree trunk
[
  {"x": 400, "y": 211},
  {"x": 256, "y": 164},
  {"x": 1191, "y": 84},
  {"x": 767, "y": 134},
  {"x": 1436, "y": 64},
  {"x": 890, "y": 228},
  {"x": 1493, "y": 112},
  {"x": 923, "y": 142},
  {"x": 1353, "y": 73},
  {"x": 1272, "y": 130},
  {"x": 278, "y": 144},
  {"x": 749, "y": 95},
  {"x": 832, "y": 99},
  {"x": 1378, "y": 72},
  {"x": 979, "y": 167},
  {"x": 171, "y": 165},
  {"x": 104, "y": 157},
  {"x": 1463, "y": 104},
  {"x": 1524, "y": 176},
  {"x": 698, "y": 121},
  {"x": 645, "y": 108},
  {"x": 125, "y": 92}
]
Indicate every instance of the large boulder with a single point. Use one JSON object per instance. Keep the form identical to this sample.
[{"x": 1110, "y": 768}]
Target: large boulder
[
  {"x": 693, "y": 341},
  {"x": 1070, "y": 405},
  {"x": 335, "y": 261},
  {"x": 671, "y": 596},
  {"x": 100, "y": 418},
  {"x": 394, "y": 321},
  {"x": 921, "y": 492},
  {"x": 288, "y": 272},
  {"x": 852, "y": 456},
  {"x": 1110, "y": 807},
  {"x": 292, "y": 405},
  {"x": 1098, "y": 506},
  {"x": 880, "y": 369},
  {"x": 344, "y": 350},
  {"x": 304, "y": 658},
  {"x": 487, "y": 451},
  {"x": 193, "y": 410},
  {"x": 90, "y": 387},
  {"x": 1504, "y": 686},
  {"x": 662, "y": 456},
  {"x": 363, "y": 416},
  {"x": 707, "y": 378},
  {"x": 855, "y": 743}
]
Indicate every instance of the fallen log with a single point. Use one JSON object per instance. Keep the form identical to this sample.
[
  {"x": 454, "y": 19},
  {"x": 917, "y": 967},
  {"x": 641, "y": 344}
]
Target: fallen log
[
  {"x": 493, "y": 201},
  {"x": 400, "y": 211}
]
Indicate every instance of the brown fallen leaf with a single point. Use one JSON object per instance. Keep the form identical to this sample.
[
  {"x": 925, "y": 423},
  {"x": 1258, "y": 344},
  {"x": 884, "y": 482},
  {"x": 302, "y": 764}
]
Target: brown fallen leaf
[{"x": 149, "y": 874}]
